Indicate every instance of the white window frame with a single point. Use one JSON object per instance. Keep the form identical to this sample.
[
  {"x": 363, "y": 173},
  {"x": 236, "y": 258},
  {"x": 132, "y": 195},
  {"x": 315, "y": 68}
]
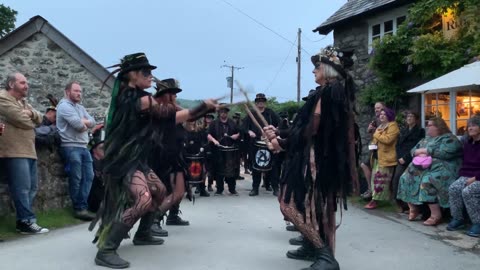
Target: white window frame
[{"x": 393, "y": 15}]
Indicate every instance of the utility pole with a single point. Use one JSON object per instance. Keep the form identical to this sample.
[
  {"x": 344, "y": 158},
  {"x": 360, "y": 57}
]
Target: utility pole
[
  {"x": 232, "y": 68},
  {"x": 299, "y": 63}
]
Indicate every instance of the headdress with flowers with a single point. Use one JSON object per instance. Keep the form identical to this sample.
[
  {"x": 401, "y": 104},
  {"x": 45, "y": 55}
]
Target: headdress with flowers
[{"x": 332, "y": 56}]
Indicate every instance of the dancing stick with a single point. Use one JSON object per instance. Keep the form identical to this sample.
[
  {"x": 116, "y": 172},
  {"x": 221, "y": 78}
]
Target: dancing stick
[
  {"x": 257, "y": 111},
  {"x": 255, "y": 122}
]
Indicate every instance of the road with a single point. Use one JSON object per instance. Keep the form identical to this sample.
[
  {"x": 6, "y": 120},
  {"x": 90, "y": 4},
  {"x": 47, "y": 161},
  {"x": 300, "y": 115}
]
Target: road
[{"x": 242, "y": 232}]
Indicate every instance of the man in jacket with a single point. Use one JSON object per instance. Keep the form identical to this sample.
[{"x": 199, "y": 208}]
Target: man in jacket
[
  {"x": 73, "y": 123},
  {"x": 17, "y": 151}
]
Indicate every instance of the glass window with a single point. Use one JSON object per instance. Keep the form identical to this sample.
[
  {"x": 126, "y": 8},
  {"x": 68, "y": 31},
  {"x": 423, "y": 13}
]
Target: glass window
[
  {"x": 437, "y": 105},
  {"x": 400, "y": 20},
  {"x": 376, "y": 30},
  {"x": 388, "y": 27}
]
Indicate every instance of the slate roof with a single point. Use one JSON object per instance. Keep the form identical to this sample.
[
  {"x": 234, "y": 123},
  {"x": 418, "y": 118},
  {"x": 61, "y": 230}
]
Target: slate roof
[
  {"x": 354, "y": 9},
  {"x": 38, "y": 24}
]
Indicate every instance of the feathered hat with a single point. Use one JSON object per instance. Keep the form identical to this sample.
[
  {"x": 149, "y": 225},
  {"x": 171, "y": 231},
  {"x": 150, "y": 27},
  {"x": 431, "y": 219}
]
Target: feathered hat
[
  {"x": 53, "y": 103},
  {"x": 170, "y": 85},
  {"x": 332, "y": 56}
]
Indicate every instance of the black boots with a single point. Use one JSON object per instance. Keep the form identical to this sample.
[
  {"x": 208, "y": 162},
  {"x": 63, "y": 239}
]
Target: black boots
[
  {"x": 254, "y": 192},
  {"x": 305, "y": 252},
  {"x": 324, "y": 260},
  {"x": 143, "y": 236},
  {"x": 174, "y": 219},
  {"x": 296, "y": 241},
  {"x": 107, "y": 255}
]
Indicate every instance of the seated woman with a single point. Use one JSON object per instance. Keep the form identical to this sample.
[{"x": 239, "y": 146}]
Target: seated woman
[
  {"x": 429, "y": 184},
  {"x": 465, "y": 192},
  {"x": 384, "y": 159}
]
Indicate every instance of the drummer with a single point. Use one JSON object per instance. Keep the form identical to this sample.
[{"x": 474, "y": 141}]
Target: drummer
[
  {"x": 194, "y": 145},
  {"x": 223, "y": 132},
  {"x": 255, "y": 134},
  {"x": 207, "y": 121}
]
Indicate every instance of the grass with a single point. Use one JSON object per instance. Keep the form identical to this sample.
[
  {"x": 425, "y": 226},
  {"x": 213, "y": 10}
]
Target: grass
[
  {"x": 386, "y": 206},
  {"x": 52, "y": 219}
]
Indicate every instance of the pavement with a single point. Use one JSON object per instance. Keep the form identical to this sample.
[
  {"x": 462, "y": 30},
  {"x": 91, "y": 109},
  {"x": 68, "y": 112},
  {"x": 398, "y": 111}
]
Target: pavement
[{"x": 241, "y": 232}]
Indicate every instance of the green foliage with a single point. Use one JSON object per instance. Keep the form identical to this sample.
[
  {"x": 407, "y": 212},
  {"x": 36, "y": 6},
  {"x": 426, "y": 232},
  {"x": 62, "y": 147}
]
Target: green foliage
[
  {"x": 7, "y": 20},
  {"x": 419, "y": 52}
]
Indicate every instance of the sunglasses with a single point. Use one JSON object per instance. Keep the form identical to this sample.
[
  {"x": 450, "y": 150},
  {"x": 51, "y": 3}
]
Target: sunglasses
[{"x": 146, "y": 72}]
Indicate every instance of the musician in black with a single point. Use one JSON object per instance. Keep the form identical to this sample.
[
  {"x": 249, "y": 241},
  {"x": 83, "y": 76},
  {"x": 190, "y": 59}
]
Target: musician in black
[
  {"x": 207, "y": 121},
  {"x": 242, "y": 146},
  {"x": 255, "y": 134},
  {"x": 194, "y": 154},
  {"x": 223, "y": 133}
]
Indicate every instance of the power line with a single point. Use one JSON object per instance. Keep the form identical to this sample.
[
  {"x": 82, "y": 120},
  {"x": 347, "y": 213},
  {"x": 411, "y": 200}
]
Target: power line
[
  {"x": 261, "y": 24},
  {"x": 281, "y": 67},
  {"x": 314, "y": 41}
]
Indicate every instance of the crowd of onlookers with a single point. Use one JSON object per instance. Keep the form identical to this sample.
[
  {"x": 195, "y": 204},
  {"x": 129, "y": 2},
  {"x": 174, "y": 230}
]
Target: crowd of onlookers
[
  {"x": 425, "y": 171},
  {"x": 422, "y": 171},
  {"x": 65, "y": 125}
]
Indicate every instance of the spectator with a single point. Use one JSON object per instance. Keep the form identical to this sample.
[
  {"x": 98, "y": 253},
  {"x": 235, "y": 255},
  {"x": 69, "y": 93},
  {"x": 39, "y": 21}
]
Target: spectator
[
  {"x": 47, "y": 134},
  {"x": 384, "y": 158},
  {"x": 73, "y": 122},
  {"x": 365, "y": 165},
  {"x": 97, "y": 152},
  {"x": 17, "y": 151},
  {"x": 465, "y": 192},
  {"x": 410, "y": 135},
  {"x": 428, "y": 183}
]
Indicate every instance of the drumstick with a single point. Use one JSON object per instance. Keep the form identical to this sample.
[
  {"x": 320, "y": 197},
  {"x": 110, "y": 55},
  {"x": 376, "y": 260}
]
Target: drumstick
[
  {"x": 255, "y": 122},
  {"x": 257, "y": 111}
]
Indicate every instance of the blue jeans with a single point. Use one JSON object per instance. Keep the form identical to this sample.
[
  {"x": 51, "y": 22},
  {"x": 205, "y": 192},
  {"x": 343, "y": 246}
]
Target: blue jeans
[
  {"x": 22, "y": 182},
  {"x": 79, "y": 167}
]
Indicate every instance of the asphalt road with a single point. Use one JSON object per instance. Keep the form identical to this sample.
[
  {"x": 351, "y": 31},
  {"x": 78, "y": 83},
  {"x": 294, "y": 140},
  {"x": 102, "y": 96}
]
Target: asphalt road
[{"x": 242, "y": 232}]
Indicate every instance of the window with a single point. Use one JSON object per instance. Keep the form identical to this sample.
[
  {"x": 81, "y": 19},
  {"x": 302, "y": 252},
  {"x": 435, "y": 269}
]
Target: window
[
  {"x": 438, "y": 105},
  {"x": 384, "y": 27},
  {"x": 467, "y": 105}
]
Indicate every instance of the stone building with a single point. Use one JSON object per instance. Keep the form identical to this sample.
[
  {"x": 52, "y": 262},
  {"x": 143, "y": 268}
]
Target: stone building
[
  {"x": 355, "y": 26},
  {"x": 50, "y": 60}
]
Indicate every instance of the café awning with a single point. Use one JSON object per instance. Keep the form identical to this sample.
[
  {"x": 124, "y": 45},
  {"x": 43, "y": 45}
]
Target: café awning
[{"x": 465, "y": 78}]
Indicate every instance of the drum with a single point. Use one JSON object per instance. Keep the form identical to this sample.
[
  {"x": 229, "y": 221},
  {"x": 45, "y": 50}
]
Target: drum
[
  {"x": 262, "y": 158},
  {"x": 227, "y": 161},
  {"x": 195, "y": 169}
]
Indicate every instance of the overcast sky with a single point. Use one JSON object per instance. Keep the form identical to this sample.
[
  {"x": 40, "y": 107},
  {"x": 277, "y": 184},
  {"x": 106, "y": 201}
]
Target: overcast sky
[{"x": 191, "y": 40}]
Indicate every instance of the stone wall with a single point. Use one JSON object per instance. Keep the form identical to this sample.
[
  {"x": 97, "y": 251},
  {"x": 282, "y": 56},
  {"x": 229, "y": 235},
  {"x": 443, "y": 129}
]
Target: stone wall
[
  {"x": 52, "y": 184},
  {"x": 48, "y": 69}
]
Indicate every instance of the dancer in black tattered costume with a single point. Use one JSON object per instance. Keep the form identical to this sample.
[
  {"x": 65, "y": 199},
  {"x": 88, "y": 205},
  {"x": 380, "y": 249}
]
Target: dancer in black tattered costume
[
  {"x": 318, "y": 169},
  {"x": 132, "y": 189}
]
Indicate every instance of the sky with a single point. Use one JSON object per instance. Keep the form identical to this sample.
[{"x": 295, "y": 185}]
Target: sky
[{"x": 191, "y": 40}]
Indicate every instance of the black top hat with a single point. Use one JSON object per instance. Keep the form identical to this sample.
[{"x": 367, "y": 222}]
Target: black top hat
[
  {"x": 223, "y": 107},
  {"x": 170, "y": 86},
  {"x": 331, "y": 56},
  {"x": 135, "y": 61},
  {"x": 209, "y": 115},
  {"x": 283, "y": 114},
  {"x": 260, "y": 97}
]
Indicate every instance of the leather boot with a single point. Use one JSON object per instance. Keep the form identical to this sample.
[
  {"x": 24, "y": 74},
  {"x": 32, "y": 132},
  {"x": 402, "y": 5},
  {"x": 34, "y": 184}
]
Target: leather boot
[
  {"x": 254, "y": 192},
  {"x": 143, "y": 236},
  {"x": 174, "y": 219},
  {"x": 107, "y": 255},
  {"x": 296, "y": 241},
  {"x": 324, "y": 260},
  {"x": 305, "y": 252}
]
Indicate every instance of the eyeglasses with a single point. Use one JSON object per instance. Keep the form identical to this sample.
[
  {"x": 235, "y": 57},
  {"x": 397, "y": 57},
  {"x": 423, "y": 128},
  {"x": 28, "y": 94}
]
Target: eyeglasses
[{"x": 146, "y": 72}]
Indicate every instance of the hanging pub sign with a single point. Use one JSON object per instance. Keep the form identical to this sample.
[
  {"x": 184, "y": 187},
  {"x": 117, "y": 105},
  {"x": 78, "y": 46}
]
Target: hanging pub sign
[{"x": 450, "y": 24}]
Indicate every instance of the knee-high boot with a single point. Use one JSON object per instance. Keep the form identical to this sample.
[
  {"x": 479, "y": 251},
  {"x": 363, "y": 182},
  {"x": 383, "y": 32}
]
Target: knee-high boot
[
  {"x": 305, "y": 252},
  {"x": 107, "y": 255},
  {"x": 324, "y": 260},
  {"x": 143, "y": 236}
]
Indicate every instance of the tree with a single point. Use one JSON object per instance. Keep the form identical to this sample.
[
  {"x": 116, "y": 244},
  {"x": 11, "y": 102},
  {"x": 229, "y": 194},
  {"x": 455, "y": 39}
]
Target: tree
[{"x": 7, "y": 20}]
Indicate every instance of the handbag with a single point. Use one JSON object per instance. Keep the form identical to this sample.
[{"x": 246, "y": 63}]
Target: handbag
[{"x": 422, "y": 162}]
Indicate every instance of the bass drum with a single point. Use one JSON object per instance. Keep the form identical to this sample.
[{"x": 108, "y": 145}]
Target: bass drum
[
  {"x": 195, "y": 169},
  {"x": 227, "y": 161},
  {"x": 262, "y": 159}
]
